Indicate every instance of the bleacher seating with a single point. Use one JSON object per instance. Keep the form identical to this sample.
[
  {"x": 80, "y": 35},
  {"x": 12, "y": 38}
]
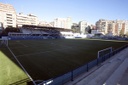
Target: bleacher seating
[
  {"x": 34, "y": 33},
  {"x": 26, "y": 31}
]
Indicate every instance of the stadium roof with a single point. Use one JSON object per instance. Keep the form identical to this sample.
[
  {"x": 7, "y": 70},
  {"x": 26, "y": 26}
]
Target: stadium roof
[{"x": 45, "y": 27}]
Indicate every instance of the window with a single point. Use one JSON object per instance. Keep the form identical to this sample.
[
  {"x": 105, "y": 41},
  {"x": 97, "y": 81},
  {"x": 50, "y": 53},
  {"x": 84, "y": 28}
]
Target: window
[
  {"x": 9, "y": 20},
  {"x": 9, "y": 17},
  {"x": 9, "y": 14},
  {"x": 9, "y": 23}
]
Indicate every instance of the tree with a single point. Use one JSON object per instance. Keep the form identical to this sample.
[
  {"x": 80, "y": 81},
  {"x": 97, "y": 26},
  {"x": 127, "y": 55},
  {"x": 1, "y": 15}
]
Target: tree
[
  {"x": 126, "y": 34},
  {"x": 121, "y": 32},
  {"x": 76, "y": 29},
  {"x": 88, "y": 30}
]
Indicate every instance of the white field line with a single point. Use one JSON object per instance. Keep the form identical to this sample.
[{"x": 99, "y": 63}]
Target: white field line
[
  {"x": 62, "y": 45},
  {"x": 16, "y": 47},
  {"x": 18, "y": 42},
  {"x": 21, "y": 66},
  {"x": 22, "y": 44},
  {"x": 41, "y": 52}
]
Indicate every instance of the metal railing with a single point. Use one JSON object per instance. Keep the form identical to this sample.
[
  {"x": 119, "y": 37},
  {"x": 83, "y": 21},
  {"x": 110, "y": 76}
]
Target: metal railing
[{"x": 85, "y": 68}]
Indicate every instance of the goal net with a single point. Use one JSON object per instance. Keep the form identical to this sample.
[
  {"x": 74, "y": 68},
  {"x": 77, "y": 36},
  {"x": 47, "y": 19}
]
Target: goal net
[
  {"x": 104, "y": 51},
  {"x": 4, "y": 41}
]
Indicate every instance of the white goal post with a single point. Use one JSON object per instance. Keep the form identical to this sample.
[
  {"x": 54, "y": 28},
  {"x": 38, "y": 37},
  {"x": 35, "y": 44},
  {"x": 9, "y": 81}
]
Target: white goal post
[
  {"x": 109, "y": 48},
  {"x": 4, "y": 40}
]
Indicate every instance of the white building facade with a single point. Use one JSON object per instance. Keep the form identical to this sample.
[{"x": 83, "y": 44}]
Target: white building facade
[
  {"x": 116, "y": 27},
  {"x": 47, "y": 24},
  {"x": 7, "y": 15},
  {"x": 29, "y": 19},
  {"x": 63, "y": 23},
  {"x": 83, "y": 25}
]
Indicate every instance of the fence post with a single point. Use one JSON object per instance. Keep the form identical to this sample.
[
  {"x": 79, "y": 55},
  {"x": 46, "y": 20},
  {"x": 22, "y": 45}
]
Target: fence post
[
  {"x": 72, "y": 75},
  {"x": 87, "y": 67},
  {"x": 97, "y": 61}
]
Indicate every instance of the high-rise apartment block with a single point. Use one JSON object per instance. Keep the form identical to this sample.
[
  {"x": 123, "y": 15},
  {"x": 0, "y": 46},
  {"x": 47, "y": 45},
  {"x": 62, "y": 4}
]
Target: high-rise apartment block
[
  {"x": 26, "y": 19},
  {"x": 116, "y": 27},
  {"x": 63, "y": 23},
  {"x": 7, "y": 15},
  {"x": 83, "y": 25},
  {"x": 9, "y": 18}
]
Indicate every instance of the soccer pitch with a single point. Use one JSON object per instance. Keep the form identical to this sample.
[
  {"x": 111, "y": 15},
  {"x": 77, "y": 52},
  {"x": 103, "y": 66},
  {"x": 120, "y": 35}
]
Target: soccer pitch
[{"x": 45, "y": 59}]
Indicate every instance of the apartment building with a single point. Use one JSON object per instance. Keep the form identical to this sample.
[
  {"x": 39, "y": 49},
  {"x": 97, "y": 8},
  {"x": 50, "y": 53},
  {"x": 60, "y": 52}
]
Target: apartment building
[
  {"x": 22, "y": 19},
  {"x": 101, "y": 25},
  {"x": 125, "y": 27},
  {"x": 7, "y": 15},
  {"x": 63, "y": 23},
  {"x": 122, "y": 26},
  {"x": 116, "y": 27},
  {"x": 83, "y": 25},
  {"x": 47, "y": 24}
]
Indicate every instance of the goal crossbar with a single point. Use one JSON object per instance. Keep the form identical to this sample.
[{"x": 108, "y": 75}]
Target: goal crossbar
[{"x": 109, "y": 48}]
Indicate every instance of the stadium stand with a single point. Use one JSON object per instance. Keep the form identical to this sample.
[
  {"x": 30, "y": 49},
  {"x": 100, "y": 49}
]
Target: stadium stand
[
  {"x": 36, "y": 32},
  {"x": 26, "y": 31}
]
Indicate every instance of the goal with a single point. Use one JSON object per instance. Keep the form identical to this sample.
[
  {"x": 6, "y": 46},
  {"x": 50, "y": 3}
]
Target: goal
[
  {"x": 4, "y": 41},
  {"x": 104, "y": 51}
]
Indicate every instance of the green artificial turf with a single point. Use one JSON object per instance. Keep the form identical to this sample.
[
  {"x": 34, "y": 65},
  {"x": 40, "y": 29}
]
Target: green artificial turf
[
  {"x": 45, "y": 59},
  {"x": 9, "y": 72}
]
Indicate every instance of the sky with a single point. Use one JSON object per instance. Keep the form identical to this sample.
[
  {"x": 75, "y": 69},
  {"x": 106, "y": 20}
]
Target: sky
[{"x": 79, "y": 10}]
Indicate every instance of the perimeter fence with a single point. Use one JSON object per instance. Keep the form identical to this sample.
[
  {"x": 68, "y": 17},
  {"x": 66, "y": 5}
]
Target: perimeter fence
[{"x": 70, "y": 76}]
